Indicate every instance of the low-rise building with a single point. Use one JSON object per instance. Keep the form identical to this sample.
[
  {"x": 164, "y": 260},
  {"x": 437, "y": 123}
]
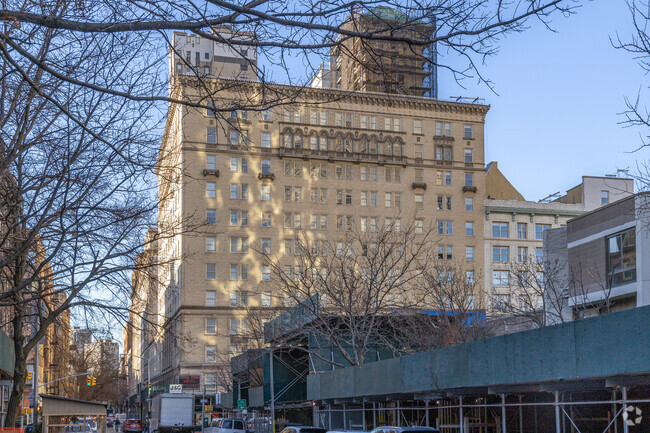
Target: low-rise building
[{"x": 605, "y": 250}]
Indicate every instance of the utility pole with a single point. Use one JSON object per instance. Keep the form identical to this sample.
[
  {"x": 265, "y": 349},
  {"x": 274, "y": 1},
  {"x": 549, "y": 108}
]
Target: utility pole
[{"x": 35, "y": 386}]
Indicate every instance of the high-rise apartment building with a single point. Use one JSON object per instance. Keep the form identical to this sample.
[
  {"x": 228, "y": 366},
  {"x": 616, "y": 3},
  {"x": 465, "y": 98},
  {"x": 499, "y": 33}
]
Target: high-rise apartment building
[
  {"x": 389, "y": 66},
  {"x": 254, "y": 173}
]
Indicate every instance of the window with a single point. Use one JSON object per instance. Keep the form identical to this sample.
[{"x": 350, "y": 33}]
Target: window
[
  {"x": 469, "y": 204},
  {"x": 266, "y": 246},
  {"x": 363, "y": 121},
  {"x": 238, "y": 245},
  {"x": 469, "y": 279},
  {"x": 373, "y": 122},
  {"x": 417, "y": 126},
  {"x": 211, "y": 189},
  {"x": 469, "y": 155},
  {"x": 238, "y": 272},
  {"x": 265, "y": 191},
  {"x": 211, "y": 244},
  {"x": 210, "y": 326},
  {"x": 266, "y": 115},
  {"x": 266, "y": 273},
  {"x": 393, "y": 174},
  {"x": 211, "y": 162},
  {"x": 500, "y": 278},
  {"x": 501, "y": 302},
  {"x": 539, "y": 254},
  {"x": 323, "y": 118},
  {"x": 522, "y": 231},
  {"x": 604, "y": 197},
  {"x": 288, "y": 115},
  {"x": 469, "y": 253},
  {"x": 211, "y": 136},
  {"x": 522, "y": 254},
  {"x": 444, "y": 153},
  {"x": 499, "y": 230},
  {"x": 266, "y": 139},
  {"x": 234, "y": 326},
  {"x": 448, "y": 178},
  {"x": 210, "y": 298},
  {"x": 239, "y": 218},
  {"x": 621, "y": 258},
  {"x": 445, "y": 227},
  {"x": 266, "y": 299},
  {"x": 234, "y": 137},
  {"x": 419, "y": 201},
  {"x": 540, "y": 229},
  {"x": 211, "y": 216},
  {"x": 418, "y": 152},
  {"x": 500, "y": 254},
  {"x": 210, "y": 353},
  {"x": 266, "y": 166},
  {"x": 266, "y": 219},
  {"x": 468, "y": 132},
  {"x": 292, "y": 220},
  {"x": 469, "y": 229},
  {"x": 239, "y": 191},
  {"x": 469, "y": 179},
  {"x": 419, "y": 227},
  {"x": 210, "y": 271}
]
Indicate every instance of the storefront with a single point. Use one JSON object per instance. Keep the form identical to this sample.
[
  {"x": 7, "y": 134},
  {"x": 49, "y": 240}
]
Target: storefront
[{"x": 67, "y": 415}]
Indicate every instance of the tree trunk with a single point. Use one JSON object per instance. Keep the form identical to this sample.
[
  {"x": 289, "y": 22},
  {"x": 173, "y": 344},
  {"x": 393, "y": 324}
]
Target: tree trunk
[{"x": 20, "y": 370}]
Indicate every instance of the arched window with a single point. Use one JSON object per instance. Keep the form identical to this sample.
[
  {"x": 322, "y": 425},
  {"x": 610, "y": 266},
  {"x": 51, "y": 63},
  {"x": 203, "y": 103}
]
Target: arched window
[
  {"x": 324, "y": 142},
  {"x": 348, "y": 144},
  {"x": 288, "y": 139},
  {"x": 313, "y": 142}
]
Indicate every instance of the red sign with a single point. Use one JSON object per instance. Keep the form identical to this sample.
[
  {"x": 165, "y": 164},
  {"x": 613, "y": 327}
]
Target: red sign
[{"x": 190, "y": 381}]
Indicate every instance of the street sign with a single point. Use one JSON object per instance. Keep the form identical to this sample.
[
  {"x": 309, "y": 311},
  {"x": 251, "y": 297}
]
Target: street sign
[
  {"x": 175, "y": 388},
  {"x": 241, "y": 404},
  {"x": 193, "y": 382},
  {"x": 207, "y": 408}
]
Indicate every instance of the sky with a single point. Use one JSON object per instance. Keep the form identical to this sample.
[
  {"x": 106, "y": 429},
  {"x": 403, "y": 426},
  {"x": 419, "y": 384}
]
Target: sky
[{"x": 555, "y": 116}]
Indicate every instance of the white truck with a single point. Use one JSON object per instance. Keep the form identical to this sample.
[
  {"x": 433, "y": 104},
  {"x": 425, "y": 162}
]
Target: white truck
[{"x": 172, "y": 413}]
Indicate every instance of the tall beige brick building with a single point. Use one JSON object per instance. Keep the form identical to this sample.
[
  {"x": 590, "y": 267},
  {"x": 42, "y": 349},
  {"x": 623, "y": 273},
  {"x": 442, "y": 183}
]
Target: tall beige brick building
[{"x": 324, "y": 160}]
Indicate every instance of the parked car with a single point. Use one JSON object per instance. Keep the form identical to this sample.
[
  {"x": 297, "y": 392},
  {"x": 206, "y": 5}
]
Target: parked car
[
  {"x": 303, "y": 429},
  {"x": 415, "y": 429},
  {"x": 132, "y": 426},
  {"x": 226, "y": 425}
]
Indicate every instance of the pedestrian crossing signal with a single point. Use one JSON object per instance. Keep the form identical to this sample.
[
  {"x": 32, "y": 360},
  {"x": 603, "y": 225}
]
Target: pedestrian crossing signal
[
  {"x": 93, "y": 381},
  {"x": 29, "y": 375}
]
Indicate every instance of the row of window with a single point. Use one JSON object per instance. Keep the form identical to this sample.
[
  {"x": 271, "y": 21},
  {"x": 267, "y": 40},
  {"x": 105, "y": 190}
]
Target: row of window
[
  {"x": 238, "y": 299},
  {"x": 240, "y": 191},
  {"x": 347, "y": 120},
  {"x": 502, "y": 230},
  {"x": 345, "y": 144},
  {"x": 502, "y": 254},
  {"x": 501, "y": 278}
]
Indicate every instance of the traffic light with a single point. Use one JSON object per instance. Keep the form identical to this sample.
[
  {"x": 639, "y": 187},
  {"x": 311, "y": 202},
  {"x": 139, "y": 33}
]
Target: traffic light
[
  {"x": 94, "y": 381},
  {"x": 89, "y": 380},
  {"x": 149, "y": 387},
  {"x": 29, "y": 375}
]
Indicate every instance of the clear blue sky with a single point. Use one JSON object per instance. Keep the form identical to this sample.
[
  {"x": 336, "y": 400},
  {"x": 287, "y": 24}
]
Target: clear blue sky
[{"x": 555, "y": 116}]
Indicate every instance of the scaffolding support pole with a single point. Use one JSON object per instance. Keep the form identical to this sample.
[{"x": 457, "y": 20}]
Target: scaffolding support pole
[
  {"x": 363, "y": 415},
  {"x": 398, "y": 415},
  {"x": 374, "y": 416},
  {"x": 557, "y": 412},
  {"x": 503, "y": 413},
  {"x": 345, "y": 423},
  {"x": 329, "y": 416},
  {"x": 426, "y": 412},
  {"x": 521, "y": 416},
  {"x": 460, "y": 413},
  {"x": 624, "y": 396}
]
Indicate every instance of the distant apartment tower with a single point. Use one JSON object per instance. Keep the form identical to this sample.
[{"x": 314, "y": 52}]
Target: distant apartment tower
[
  {"x": 325, "y": 161},
  {"x": 371, "y": 65}
]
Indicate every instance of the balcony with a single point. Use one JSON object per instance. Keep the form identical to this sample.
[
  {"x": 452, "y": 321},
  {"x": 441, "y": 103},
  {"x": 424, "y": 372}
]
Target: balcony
[
  {"x": 332, "y": 155},
  {"x": 269, "y": 176},
  {"x": 421, "y": 185},
  {"x": 469, "y": 189},
  {"x": 214, "y": 173}
]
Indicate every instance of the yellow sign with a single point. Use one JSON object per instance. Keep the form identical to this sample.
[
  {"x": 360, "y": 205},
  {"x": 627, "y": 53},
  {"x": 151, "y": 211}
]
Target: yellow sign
[
  {"x": 208, "y": 408},
  {"x": 28, "y": 410}
]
